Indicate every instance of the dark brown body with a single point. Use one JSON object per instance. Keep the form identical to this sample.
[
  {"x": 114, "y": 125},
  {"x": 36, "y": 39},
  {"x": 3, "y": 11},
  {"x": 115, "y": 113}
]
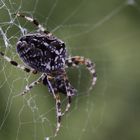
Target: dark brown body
[{"x": 42, "y": 53}]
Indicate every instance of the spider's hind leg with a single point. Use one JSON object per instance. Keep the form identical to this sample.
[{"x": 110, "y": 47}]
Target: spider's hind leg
[
  {"x": 34, "y": 21},
  {"x": 80, "y": 60},
  {"x": 14, "y": 63}
]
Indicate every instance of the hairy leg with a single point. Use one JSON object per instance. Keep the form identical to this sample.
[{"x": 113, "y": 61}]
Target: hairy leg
[
  {"x": 35, "y": 22},
  {"x": 80, "y": 60},
  {"x": 14, "y": 63},
  {"x": 70, "y": 91},
  {"x": 48, "y": 81},
  {"x": 33, "y": 84}
]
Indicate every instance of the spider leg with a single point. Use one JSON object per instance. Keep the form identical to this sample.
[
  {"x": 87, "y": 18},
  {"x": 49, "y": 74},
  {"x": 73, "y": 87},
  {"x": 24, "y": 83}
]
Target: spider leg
[
  {"x": 14, "y": 63},
  {"x": 58, "y": 113},
  {"x": 47, "y": 80},
  {"x": 69, "y": 92},
  {"x": 35, "y": 22},
  {"x": 29, "y": 87},
  {"x": 69, "y": 97},
  {"x": 76, "y": 60}
]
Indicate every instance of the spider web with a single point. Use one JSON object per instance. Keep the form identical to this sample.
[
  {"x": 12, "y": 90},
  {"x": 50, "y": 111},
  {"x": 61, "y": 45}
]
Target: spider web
[{"x": 83, "y": 27}]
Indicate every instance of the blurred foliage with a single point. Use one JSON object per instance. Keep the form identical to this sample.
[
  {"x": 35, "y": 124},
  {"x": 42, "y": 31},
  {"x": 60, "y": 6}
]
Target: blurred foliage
[{"x": 107, "y": 32}]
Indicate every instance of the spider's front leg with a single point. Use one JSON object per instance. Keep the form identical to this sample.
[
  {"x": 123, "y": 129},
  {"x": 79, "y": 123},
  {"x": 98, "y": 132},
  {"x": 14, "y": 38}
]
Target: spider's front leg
[
  {"x": 58, "y": 113},
  {"x": 14, "y": 63},
  {"x": 70, "y": 91},
  {"x": 80, "y": 60},
  {"x": 59, "y": 84},
  {"x": 50, "y": 82},
  {"x": 29, "y": 87}
]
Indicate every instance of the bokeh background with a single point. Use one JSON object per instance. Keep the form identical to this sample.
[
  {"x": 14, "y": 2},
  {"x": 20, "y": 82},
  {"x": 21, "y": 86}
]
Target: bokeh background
[{"x": 107, "y": 32}]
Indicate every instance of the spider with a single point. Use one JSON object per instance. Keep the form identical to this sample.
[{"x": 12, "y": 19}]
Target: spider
[{"x": 44, "y": 53}]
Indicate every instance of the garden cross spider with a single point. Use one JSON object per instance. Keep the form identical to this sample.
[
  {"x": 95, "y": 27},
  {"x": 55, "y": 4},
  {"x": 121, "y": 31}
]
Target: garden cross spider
[{"x": 42, "y": 52}]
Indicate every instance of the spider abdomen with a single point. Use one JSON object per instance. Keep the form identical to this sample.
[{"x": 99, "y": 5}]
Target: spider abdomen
[{"x": 41, "y": 52}]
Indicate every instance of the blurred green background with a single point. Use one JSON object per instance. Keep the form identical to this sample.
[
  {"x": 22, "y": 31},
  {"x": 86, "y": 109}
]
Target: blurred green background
[{"x": 107, "y": 32}]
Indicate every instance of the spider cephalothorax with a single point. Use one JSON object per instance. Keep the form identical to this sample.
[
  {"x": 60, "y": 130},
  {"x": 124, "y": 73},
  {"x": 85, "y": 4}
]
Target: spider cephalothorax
[{"x": 42, "y": 52}]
